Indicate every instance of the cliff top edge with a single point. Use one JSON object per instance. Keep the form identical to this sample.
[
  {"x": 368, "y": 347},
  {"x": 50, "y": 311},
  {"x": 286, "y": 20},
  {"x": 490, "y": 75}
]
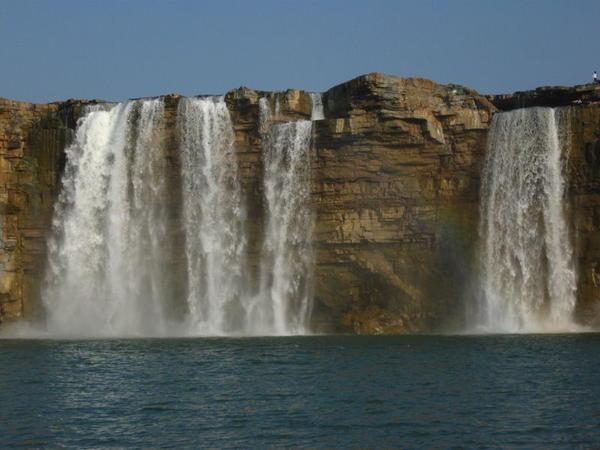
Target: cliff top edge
[{"x": 541, "y": 96}]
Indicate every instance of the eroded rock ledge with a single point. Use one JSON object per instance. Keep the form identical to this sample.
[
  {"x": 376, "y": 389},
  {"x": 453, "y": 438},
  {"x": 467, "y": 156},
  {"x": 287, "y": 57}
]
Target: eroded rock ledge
[{"x": 551, "y": 96}]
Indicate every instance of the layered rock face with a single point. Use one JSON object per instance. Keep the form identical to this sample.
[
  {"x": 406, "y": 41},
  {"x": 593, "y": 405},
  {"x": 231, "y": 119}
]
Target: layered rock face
[
  {"x": 583, "y": 172},
  {"x": 396, "y": 169},
  {"x": 552, "y": 96},
  {"x": 396, "y": 190},
  {"x": 32, "y": 140}
]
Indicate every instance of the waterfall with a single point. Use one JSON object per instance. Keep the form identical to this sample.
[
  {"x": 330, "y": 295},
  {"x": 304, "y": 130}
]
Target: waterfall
[
  {"x": 213, "y": 217},
  {"x": 317, "y": 106},
  {"x": 104, "y": 274},
  {"x": 528, "y": 269},
  {"x": 115, "y": 235},
  {"x": 285, "y": 297}
]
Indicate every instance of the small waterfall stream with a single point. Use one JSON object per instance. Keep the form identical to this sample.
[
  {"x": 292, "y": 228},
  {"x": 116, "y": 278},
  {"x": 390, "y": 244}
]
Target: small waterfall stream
[
  {"x": 287, "y": 259},
  {"x": 529, "y": 277},
  {"x": 213, "y": 216},
  {"x": 317, "y": 112}
]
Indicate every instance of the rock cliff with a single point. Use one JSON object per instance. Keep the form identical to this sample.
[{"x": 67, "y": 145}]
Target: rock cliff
[
  {"x": 396, "y": 190},
  {"x": 396, "y": 178},
  {"x": 582, "y": 130},
  {"x": 32, "y": 139},
  {"x": 551, "y": 96}
]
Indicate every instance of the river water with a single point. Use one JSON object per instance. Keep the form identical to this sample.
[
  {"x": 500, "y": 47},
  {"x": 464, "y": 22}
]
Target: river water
[{"x": 518, "y": 391}]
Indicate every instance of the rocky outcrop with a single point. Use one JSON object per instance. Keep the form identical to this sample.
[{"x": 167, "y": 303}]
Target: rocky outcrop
[
  {"x": 396, "y": 175},
  {"x": 551, "y": 96},
  {"x": 396, "y": 191}
]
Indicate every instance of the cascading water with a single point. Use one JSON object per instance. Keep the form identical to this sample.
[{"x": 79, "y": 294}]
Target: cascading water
[
  {"x": 317, "y": 112},
  {"x": 111, "y": 254},
  {"x": 104, "y": 274},
  {"x": 529, "y": 276},
  {"x": 213, "y": 217},
  {"x": 285, "y": 298}
]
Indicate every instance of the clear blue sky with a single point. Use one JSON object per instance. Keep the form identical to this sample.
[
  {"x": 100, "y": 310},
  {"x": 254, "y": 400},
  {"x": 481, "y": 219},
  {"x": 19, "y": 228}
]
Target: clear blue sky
[{"x": 58, "y": 49}]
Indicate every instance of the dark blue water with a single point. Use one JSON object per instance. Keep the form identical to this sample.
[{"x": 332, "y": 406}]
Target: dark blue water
[{"x": 506, "y": 391}]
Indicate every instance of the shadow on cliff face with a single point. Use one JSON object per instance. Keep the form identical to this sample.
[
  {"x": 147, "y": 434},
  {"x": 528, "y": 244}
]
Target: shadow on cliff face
[
  {"x": 454, "y": 287},
  {"x": 424, "y": 287}
]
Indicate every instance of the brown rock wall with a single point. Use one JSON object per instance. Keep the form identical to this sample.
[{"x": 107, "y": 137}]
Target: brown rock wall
[
  {"x": 582, "y": 126},
  {"x": 396, "y": 176},
  {"x": 32, "y": 140},
  {"x": 396, "y": 191}
]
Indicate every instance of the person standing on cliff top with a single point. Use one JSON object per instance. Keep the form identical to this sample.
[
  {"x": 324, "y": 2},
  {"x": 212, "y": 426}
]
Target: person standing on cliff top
[{"x": 595, "y": 76}]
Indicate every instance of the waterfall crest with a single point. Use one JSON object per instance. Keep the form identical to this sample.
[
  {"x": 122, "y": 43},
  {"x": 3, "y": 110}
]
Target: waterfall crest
[{"x": 529, "y": 279}]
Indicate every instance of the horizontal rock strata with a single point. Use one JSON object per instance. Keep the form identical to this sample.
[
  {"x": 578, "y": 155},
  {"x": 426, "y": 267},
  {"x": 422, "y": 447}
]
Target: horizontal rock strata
[
  {"x": 395, "y": 188},
  {"x": 551, "y": 96}
]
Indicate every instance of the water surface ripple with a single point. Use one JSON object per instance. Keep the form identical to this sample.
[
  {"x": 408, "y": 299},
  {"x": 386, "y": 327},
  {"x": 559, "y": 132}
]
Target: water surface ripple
[{"x": 520, "y": 391}]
